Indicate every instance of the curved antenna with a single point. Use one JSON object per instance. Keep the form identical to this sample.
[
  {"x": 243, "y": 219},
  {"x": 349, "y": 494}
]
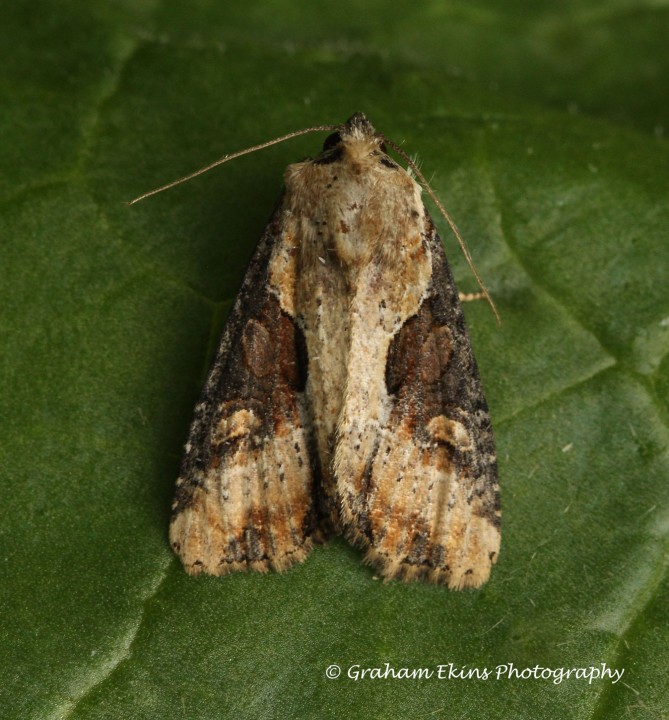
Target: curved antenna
[{"x": 232, "y": 156}]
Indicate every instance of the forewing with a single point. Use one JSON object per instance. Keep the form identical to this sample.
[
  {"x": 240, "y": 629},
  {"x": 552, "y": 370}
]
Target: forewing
[
  {"x": 244, "y": 494},
  {"x": 430, "y": 492}
]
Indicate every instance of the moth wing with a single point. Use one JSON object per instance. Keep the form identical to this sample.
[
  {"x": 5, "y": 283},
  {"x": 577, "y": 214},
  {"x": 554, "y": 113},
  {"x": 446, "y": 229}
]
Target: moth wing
[
  {"x": 429, "y": 506},
  {"x": 244, "y": 494}
]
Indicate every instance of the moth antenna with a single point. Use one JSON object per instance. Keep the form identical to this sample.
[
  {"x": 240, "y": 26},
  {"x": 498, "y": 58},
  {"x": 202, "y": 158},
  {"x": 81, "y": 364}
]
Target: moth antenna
[
  {"x": 232, "y": 156},
  {"x": 452, "y": 225}
]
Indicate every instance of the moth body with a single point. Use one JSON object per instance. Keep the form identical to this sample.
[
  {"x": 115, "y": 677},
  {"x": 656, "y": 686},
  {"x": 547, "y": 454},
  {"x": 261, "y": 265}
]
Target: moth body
[{"x": 344, "y": 396}]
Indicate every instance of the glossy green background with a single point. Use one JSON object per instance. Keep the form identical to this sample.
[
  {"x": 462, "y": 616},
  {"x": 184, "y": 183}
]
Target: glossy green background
[{"x": 541, "y": 126}]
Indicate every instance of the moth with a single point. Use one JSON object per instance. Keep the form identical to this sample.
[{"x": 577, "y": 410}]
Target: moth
[{"x": 344, "y": 396}]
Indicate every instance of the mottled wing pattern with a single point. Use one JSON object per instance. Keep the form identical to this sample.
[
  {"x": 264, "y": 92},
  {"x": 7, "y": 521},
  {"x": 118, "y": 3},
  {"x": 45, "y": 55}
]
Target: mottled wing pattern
[
  {"x": 244, "y": 494},
  {"x": 430, "y": 503}
]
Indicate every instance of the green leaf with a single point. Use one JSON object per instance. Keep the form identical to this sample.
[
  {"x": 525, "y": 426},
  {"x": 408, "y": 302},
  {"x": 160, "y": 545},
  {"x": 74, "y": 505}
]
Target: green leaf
[{"x": 110, "y": 314}]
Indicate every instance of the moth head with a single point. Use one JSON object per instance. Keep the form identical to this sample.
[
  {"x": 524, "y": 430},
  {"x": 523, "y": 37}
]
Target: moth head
[
  {"x": 356, "y": 130},
  {"x": 358, "y": 126}
]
